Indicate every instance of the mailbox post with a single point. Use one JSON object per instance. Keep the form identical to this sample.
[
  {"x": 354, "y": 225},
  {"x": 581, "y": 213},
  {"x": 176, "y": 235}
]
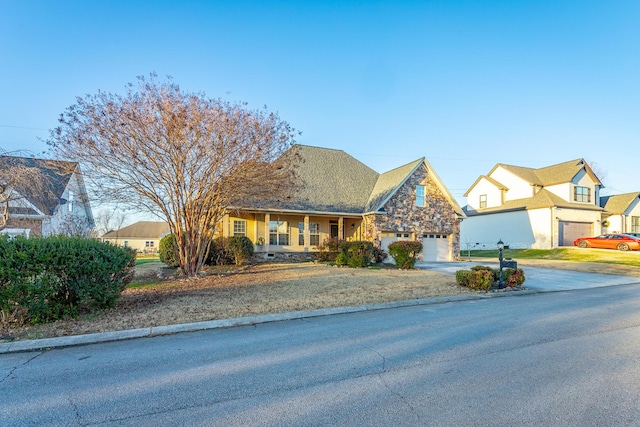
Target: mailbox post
[{"x": 504, "y": 263}]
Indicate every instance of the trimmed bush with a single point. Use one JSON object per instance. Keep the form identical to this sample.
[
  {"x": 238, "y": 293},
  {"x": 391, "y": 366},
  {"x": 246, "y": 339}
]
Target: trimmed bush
[
  {"x": 44, "y": 279},
  {"x": 329, "y": 249},
  {"x": 513, "y": 278},
  {"x": 483, "y": 277},
  {"x": 168, "y": 250},
  {"x": 230, "y": 250},
  {"x": 359, "y": 254},
  {"x": 404, "y": 253}
]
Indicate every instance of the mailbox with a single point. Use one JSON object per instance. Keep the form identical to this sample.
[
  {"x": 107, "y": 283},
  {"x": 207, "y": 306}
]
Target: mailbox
[{"x": 509, "y": 263}]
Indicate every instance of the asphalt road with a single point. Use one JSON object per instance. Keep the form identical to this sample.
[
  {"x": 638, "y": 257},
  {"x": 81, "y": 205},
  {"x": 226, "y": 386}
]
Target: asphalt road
[{"x": 555, "y": 359}]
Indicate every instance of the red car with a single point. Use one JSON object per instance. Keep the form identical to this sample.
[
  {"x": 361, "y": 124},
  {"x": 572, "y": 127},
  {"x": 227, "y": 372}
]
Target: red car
[{"x": 621, "y": 242}]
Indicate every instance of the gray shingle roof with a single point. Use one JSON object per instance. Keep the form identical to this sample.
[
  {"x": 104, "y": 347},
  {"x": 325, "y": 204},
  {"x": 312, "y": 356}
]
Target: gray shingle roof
[
  {"x": 332, "y": 181},
  {"x": 387, "y": 183},
  {"x": 542, "y": 199},
  {"x": 140, "y": 230},
  {"x": 550, "y": 175},
  {"x": 56, "y": 174},
  {"x": 618, "y": 203}
]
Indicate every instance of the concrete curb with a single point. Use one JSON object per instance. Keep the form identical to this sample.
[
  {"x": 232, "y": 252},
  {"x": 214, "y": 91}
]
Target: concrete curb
[{"x": 77, "y": 340}]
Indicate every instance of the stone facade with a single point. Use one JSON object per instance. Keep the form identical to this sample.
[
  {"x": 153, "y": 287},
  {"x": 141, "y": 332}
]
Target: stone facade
[{"x": 438, "y": 216}]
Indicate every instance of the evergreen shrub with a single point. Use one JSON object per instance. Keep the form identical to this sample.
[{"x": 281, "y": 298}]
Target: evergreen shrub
[
  {"x": 168, "y": 251},
  {"x": 44, "y": 279}
]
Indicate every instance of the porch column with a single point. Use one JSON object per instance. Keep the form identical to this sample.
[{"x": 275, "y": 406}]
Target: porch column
[
  {"x": 225, "y": 225},
  {"x": 307, "y": 233},
  {"x": 267, "y": 219},
  {"x": 341, "y": 228}
]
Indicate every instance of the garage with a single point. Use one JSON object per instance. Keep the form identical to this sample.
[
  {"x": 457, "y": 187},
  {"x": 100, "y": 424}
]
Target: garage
[
  {"x": 570, "y": 231},
  {"x": 435, "y": 247},
  {"x": 388, "y": 238}
]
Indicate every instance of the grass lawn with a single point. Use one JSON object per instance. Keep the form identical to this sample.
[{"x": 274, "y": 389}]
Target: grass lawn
[
  {"x": 607, "y": 256},
  {"x": 145, "y": 259}
]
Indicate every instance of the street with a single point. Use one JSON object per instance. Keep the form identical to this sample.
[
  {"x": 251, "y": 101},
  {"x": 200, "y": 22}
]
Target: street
[{"x": 559, "y": 358}]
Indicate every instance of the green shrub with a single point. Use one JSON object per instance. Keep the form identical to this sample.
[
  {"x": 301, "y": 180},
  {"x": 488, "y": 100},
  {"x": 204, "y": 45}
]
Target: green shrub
[
  {"x": 168, "y": 250},
  {"x": 43, "y": 279},
  {"x": 240, "y": 248},
  {"x": 329, "y": 250},
  {"x": 463, "y": 277},
  {"x": 341, "y": 259},
  {"x": 359, "y": 254},
  {"x": 404, "y": 253},
  {"x": 230, "y": 250},
  {"x": 513, "y": 278},
  {"x": 480, "y": 279}
]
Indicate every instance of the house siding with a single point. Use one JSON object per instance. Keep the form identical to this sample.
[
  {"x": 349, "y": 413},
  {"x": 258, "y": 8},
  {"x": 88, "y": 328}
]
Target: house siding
[{"x": 402, "y": 214}]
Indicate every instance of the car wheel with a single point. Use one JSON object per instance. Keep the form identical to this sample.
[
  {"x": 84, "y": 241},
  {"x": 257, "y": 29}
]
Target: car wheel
[
  {"x": 582, "y": 244},
  {"x": 623, "y": 247}
]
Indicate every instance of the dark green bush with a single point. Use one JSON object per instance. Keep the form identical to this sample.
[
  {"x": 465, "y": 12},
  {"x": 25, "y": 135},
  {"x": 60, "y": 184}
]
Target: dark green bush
[
  {"x": 168, "y": 250},
  {"x": 379, "y": 255},
  {"x": 230, "y": 250},
  {"x": 404, "y": 253},
  {"x": 44, "y": 279},
  {"x": 241, "y": 248},
  {"x": 329, "y": 250},
  {"x": 359, "y": 254}
]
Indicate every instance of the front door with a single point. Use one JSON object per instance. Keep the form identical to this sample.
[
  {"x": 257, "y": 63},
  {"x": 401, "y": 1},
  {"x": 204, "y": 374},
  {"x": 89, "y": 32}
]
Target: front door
[{"x": 333, "y": 230}]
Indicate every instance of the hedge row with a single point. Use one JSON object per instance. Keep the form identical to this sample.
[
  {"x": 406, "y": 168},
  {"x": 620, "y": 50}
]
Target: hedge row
[
  {"x": 44, "y": 279},
  {"x": 484, "y": 278}
]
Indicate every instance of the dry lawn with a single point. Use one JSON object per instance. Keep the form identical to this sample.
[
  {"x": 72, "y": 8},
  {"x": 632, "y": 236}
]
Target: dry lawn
[
  {"x": 264, "y": 289},
  {"x": 247, "y": 291}
]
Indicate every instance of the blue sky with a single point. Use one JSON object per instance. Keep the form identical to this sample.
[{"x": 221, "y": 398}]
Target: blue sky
[{"x": 466, "y": 84}]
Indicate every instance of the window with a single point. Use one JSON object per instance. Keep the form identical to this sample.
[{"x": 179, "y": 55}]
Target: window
[
  {"x": 70, "y": 201},
  {"x": 126, "y": 243},
  {"x": 483, "y": 201},
  {"x": 582, "y": 194},
  {"x": 278, "y": 233},
  {"x": 635, "y": 224},
  {"x": 148, "y": 244},
  {"x": 239, "y": 227},
  {"x": 419, "y": 195},
  {"x": 314, "y": 233}
]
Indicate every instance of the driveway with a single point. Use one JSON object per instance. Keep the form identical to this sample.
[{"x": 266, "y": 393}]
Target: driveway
[{"x": 542, "y": 279}]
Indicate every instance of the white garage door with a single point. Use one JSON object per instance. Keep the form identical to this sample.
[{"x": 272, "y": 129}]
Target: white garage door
[
  {"x": 570, "y": 231},
  {"x": 388, "y": 238},
  {"x": 435, "y": 247}
]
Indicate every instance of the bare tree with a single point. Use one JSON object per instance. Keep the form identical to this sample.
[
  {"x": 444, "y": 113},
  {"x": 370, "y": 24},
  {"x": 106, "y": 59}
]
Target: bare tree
[
  {"x": 19, "y": 178},
  {"x": 109, "y": 220},
  {"x": 182, "y": 155}
]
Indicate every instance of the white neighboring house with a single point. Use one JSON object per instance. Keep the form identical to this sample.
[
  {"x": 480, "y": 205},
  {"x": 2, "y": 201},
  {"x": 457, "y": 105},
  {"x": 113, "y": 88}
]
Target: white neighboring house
[
  {"x": 532, "y": 208},
  {"x": 143, "y": 236},
  {"x": 621, "y": 213},
  {"x": 60, "y": 207}
]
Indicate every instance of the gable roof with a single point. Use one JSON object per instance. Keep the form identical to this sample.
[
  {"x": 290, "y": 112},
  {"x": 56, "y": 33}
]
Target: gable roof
[
  {"x": 335, "y": 182},
  {"x": 499, "y": 185},
  {"x": 55, "y": 173},
  {"x": 140, "y": 230},
  {"x": 542, "y": 199},
  {"x": 387, "y": 184},
  {"x": 618, "y": 203},
  {"x": 550, "y": 175}
]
